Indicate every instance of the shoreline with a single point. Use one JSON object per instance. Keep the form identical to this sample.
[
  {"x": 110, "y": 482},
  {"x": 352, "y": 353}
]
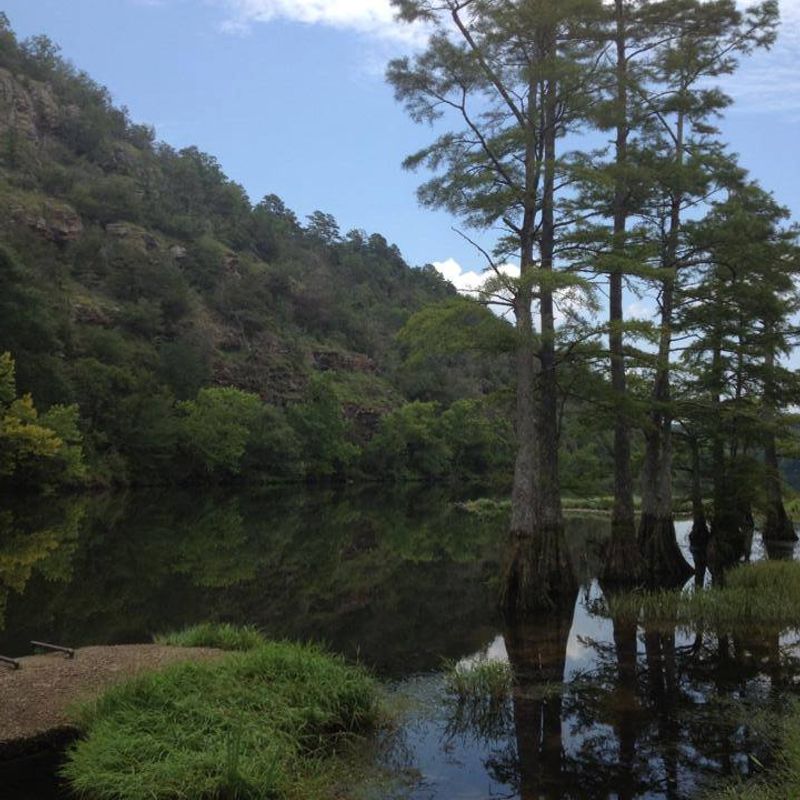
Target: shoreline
[{"x": 36, "y": 699}]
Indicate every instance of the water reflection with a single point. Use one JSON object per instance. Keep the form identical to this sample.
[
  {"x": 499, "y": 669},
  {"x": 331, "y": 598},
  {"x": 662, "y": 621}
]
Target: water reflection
[
  {"x": 403, "y": 578},
  {"x": 603, "y": 707},
  {"x": 624, "y": 710}
]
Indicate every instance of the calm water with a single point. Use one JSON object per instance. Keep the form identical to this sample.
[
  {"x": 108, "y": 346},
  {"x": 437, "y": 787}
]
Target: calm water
[{"x": 403, "y": 580}]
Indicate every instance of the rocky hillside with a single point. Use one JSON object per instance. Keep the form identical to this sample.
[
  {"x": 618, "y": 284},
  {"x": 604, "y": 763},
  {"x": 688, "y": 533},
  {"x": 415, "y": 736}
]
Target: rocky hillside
[{"x": 134, "y": 275}]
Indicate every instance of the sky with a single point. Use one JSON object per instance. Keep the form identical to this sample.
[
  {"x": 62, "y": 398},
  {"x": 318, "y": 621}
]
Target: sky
[{"x": 289, "y": 95}]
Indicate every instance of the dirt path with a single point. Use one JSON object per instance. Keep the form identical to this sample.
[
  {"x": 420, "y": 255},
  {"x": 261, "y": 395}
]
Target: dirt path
[{"x": 34, "y": 699}]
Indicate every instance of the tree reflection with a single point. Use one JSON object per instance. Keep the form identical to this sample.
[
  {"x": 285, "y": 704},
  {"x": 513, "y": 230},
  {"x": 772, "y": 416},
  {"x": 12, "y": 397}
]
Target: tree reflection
[{"x": 537, "y": 652}]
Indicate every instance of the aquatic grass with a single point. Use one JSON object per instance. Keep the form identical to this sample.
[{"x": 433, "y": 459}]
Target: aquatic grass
[
  {"x": 763, "y": 593},
  {"x": 272, "y": 722},
  {"x": 782, "y": 780},
  {"x": 478, "y": 695},
  {"x": 599, "y": 504},
  {"x": 481, "y": 680},
  {"x": 220, "y": 635}
]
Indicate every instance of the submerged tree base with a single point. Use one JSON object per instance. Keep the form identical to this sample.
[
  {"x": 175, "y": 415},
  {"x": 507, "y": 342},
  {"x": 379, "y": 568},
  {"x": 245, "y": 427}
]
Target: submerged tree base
[
  {"x": 538, "y": 574},
  {"x": 664, "y": 562},
  {"x": 779, "y": 528},
  {"x": 623, "y": 565}
]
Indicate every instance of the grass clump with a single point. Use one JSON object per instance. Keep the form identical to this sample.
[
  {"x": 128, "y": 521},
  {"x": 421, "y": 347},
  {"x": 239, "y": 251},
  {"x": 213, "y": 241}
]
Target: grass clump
[
  {"x": 479, "y": 681},
  {"x": 479, "y": 692},
  {"x": 764, "y": 593},
  {"x": 221, "y": 636},
  {"x": 782, "y": 780},
  {"x": 271, "y": 722}
]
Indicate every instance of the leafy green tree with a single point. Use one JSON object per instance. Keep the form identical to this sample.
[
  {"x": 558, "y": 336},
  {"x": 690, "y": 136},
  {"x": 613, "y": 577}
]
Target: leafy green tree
[
  {"x": 216, "y": 428},
  {"x": 481, "y": 443},
  {"x": 411, "y": 444},
  {"x": 322, "y": 431},
  {"x": 39, "y": 451},
  {"x": 704, "y": 42},
  {"x": 740, "y": 314},
  {"x": 273, "y": 451}
]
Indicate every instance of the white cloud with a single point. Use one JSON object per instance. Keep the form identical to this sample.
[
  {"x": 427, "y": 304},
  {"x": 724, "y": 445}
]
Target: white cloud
[
  {"x": 769, "y": 81},
  {"x": 465, "y": 282},
  {"x": 374, "y": 18},
  {"x": 470, "y": 282}
]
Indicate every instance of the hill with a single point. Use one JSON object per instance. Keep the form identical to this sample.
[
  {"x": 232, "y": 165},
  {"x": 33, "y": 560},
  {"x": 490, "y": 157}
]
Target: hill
[{"x": 137, "y": 282}]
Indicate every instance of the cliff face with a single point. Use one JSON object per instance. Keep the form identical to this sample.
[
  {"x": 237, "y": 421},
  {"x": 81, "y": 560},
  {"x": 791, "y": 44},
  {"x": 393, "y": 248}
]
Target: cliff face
[
  {"x": 29, "y": 108},
  {"x": 140, "y": 272}
]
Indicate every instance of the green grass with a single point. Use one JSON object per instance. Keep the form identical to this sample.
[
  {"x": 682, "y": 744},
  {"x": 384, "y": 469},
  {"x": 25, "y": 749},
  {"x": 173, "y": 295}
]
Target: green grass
[
  {"x": 222, "y": 636},
  {"x": 277, "y": 721},
  {"x": 479, "y": 681},
  {"x": 764, "y": 593},
  {"x": 782, "y": 780},
  {"x": 601, "y": 504}
]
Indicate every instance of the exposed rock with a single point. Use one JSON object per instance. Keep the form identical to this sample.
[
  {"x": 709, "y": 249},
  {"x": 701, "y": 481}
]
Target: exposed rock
[
  {"x": 178, "y": 253},
  {"x": 54, "y": 220},
  {"x": 327, "y": 360},
  {"x": 63, "y": 224},
  {"x": 231, "y": 261},
  {"x": 87, "y": 313},
  {"x": 134, "y": 235},
  {"x": 365, "y": 421},
  {"x": 30, "y": 108}
]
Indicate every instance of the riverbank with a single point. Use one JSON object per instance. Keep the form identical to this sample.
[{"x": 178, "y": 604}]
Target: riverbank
[
  {"x": 35, "y": 700},
  {"x": 276, "y": 720}
]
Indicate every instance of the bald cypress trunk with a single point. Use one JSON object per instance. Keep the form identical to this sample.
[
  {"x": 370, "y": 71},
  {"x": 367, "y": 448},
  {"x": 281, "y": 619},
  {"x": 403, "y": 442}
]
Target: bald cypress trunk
[
  {"x": 559, "y": 582},
  {"x": 777, "y": 526},
  {"x": 520, "y": 581},
  {"x": 622, "y": 563},
  {"x": 698, "y": 537},
  {"x": 664, "y": 562}
]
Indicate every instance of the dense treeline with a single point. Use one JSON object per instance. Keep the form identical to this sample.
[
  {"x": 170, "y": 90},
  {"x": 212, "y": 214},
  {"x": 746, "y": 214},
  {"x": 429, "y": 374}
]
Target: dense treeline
[
  {"x": 185, "y": 334},
  {"x": 530, "y": 91}
]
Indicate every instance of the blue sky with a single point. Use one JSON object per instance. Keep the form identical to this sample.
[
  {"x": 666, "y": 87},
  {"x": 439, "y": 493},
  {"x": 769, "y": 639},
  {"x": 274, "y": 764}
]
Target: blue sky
[{"x": 289, "y": 96}]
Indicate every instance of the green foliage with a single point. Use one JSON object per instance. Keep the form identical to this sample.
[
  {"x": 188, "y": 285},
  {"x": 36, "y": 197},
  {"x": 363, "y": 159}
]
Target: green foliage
[
  {"x": 322, "y": 431},
  {"x": 418, "y": 441},
  {"x": 480, "y": 681},
  {"x": 266, "y": 723},
  {"x": 782, "y": 779},
  {"x": 481, "y": 440},
  {"x": 215, "y": 428},
  {"x": 409, "y": 444},
  {"x": 41, "y": 451},
  {"x": 222, "y": 636}
]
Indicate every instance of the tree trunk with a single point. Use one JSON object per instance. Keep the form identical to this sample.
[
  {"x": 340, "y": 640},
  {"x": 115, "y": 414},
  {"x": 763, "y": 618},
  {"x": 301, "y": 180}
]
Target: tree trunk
[
  {"x": 698, "y": 538},
  {"x": 728, "y": 541},
  {"x": 664, "y": 562},
  {"x": 555, "y": 568},
  {"x": 623, "y": 562},
  {"x": 777, "y": 526},
  {"x": 521, "y": 579}
]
